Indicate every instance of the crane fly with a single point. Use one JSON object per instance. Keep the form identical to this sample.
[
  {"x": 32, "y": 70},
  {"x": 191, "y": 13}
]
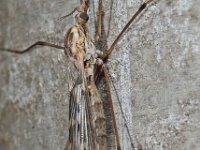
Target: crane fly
[{"x": 87, "y": 122}]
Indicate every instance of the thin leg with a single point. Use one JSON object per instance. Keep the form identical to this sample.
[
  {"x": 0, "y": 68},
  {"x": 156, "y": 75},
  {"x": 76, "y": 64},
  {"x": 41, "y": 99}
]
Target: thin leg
[
  {"x": 122, "y": 112},
  {"x": 99, "y": 21},
  {"x": 142, "y": 7},
  {"x": 32, "y": 46},
  {"x": 105, "y": 73}
]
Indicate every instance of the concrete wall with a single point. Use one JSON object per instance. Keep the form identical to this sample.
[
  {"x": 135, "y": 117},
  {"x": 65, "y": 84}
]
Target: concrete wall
[{"x": 154, "y": 70}]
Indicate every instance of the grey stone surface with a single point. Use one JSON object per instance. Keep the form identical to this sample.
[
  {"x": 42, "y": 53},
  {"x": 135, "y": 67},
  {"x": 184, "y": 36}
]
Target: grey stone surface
[
  {"x": 34, "y": 92},
  {"x": 154, "y": 69},
  {"x": 157, "y": 74}
]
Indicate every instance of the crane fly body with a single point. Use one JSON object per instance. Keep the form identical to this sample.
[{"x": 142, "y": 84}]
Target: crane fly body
[{"x": 87, "y": 120}]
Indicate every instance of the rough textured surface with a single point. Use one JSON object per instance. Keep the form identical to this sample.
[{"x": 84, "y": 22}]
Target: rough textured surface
[
  {"x": 158, "y": 74},
  {"x": 34, "y": 91},
  {"x": 155, "y": 71}
]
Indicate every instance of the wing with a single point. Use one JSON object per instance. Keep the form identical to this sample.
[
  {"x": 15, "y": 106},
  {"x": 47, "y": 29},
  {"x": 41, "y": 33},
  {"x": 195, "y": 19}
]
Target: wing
[{"x": 81, "y": 131}]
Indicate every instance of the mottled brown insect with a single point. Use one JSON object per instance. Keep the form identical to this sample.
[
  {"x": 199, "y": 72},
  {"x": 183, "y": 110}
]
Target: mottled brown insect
[{"x": 87, "y": 121}]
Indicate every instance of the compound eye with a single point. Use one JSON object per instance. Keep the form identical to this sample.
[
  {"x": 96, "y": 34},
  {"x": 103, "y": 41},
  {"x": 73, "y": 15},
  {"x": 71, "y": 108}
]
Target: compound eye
[{"x": 84, "y": 16}]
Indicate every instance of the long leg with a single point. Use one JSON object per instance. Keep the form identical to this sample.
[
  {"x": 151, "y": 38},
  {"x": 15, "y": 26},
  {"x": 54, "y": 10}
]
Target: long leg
[
  {"x": 99, "y": 22},
  {"x": 42, "y": 43},
  {"x": 105, "y": 73},
  {"x": 142, "y": 7}
]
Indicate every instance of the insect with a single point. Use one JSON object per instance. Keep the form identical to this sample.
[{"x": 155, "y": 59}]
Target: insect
[{"x": 87, "y": 121}]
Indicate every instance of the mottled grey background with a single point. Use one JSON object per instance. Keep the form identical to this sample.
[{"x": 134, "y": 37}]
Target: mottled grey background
[{"x": 155, "y": 72}]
